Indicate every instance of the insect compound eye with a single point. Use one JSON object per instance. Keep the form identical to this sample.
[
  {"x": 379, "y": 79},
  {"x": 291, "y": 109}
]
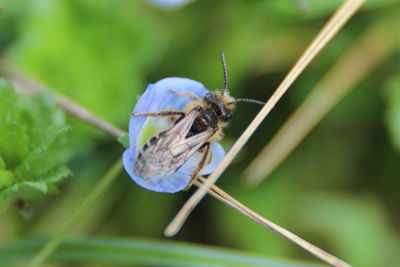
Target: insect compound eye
[
  {"x": 217, "y": 109},
  {"x": 209, "y": 97},
  {"x": 227, "y": 116}
]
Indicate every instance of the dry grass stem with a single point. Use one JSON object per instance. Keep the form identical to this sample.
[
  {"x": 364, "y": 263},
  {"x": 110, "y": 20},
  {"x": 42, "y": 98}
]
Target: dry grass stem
[
  {"x": 222, "y": 196},
  {"x": 335, "y": 23},
  {"x": 351, "y": 68}
]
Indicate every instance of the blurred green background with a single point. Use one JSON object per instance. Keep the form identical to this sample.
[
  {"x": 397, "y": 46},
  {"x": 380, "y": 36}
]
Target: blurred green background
[{"x": 340, "y": 189}]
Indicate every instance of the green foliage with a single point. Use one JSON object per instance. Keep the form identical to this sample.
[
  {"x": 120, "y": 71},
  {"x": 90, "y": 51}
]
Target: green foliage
[
  {"x": 142, "y": 251},
  {"x": 33, "y": 143}
]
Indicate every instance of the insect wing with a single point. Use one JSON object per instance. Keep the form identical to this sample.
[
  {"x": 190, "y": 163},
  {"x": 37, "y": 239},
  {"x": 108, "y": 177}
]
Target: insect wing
[{"x": 169, "y": 151}]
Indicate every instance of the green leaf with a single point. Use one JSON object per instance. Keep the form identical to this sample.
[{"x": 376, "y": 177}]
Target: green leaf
[
  {"x": 22, "y": 189},
  {"x": 38, "y": 154},
  {"x": 33, "y": 144},
  {"x": 143, "y": 252},
  {"x": 56, "y": 175},
  {"x": 11, "y": 104},
  {"x": 6, "y": 178},
  {"x": 124, "y": 141},
  {"x": 14, "y": 144}
]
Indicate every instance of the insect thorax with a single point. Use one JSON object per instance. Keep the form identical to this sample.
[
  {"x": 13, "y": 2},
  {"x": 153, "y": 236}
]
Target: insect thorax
[{"x": 214, "y": 112}]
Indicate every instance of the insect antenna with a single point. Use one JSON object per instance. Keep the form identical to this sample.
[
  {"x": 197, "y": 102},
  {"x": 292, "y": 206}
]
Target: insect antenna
[
  {"x": 225, "y": 71},
  {"x": 247, "y": 100}
]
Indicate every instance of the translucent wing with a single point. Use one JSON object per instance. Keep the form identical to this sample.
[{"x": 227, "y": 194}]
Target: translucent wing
[{"x": 169, "y": 151}]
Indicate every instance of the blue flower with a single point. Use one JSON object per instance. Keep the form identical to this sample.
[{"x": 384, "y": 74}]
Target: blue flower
[
  {"x": 158, "y": 97},
  {"x": 169, "y": 3}
]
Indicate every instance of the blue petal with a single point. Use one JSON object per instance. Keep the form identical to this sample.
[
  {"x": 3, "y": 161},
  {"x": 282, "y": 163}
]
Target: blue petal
[
  {"x": 169, "y": 3},
  {"x": 158, "y": 97}
]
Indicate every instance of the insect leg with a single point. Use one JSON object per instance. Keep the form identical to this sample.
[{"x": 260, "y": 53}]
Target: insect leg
[
  {"x": 201, "y": 163},
  {"x": 186, "y": 93},
  {"x": 165, "y": 113}
]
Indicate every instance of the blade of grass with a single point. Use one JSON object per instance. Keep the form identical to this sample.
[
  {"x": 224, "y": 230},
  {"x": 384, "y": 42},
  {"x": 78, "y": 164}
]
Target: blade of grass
[
  {"x": 337, "y": 21},
  {"x": 142, "y": 252},
  {"x": 97, "y": 191},
  {"x": 373, "y": 47}
]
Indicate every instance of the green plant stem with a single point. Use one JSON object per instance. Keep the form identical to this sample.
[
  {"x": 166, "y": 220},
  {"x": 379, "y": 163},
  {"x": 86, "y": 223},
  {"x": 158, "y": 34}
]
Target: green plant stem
[{"x": 97, "y": 191}]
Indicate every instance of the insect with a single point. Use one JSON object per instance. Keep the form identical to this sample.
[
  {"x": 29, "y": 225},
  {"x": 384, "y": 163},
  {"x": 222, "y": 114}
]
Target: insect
[{"x": 193, "y": 129}]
